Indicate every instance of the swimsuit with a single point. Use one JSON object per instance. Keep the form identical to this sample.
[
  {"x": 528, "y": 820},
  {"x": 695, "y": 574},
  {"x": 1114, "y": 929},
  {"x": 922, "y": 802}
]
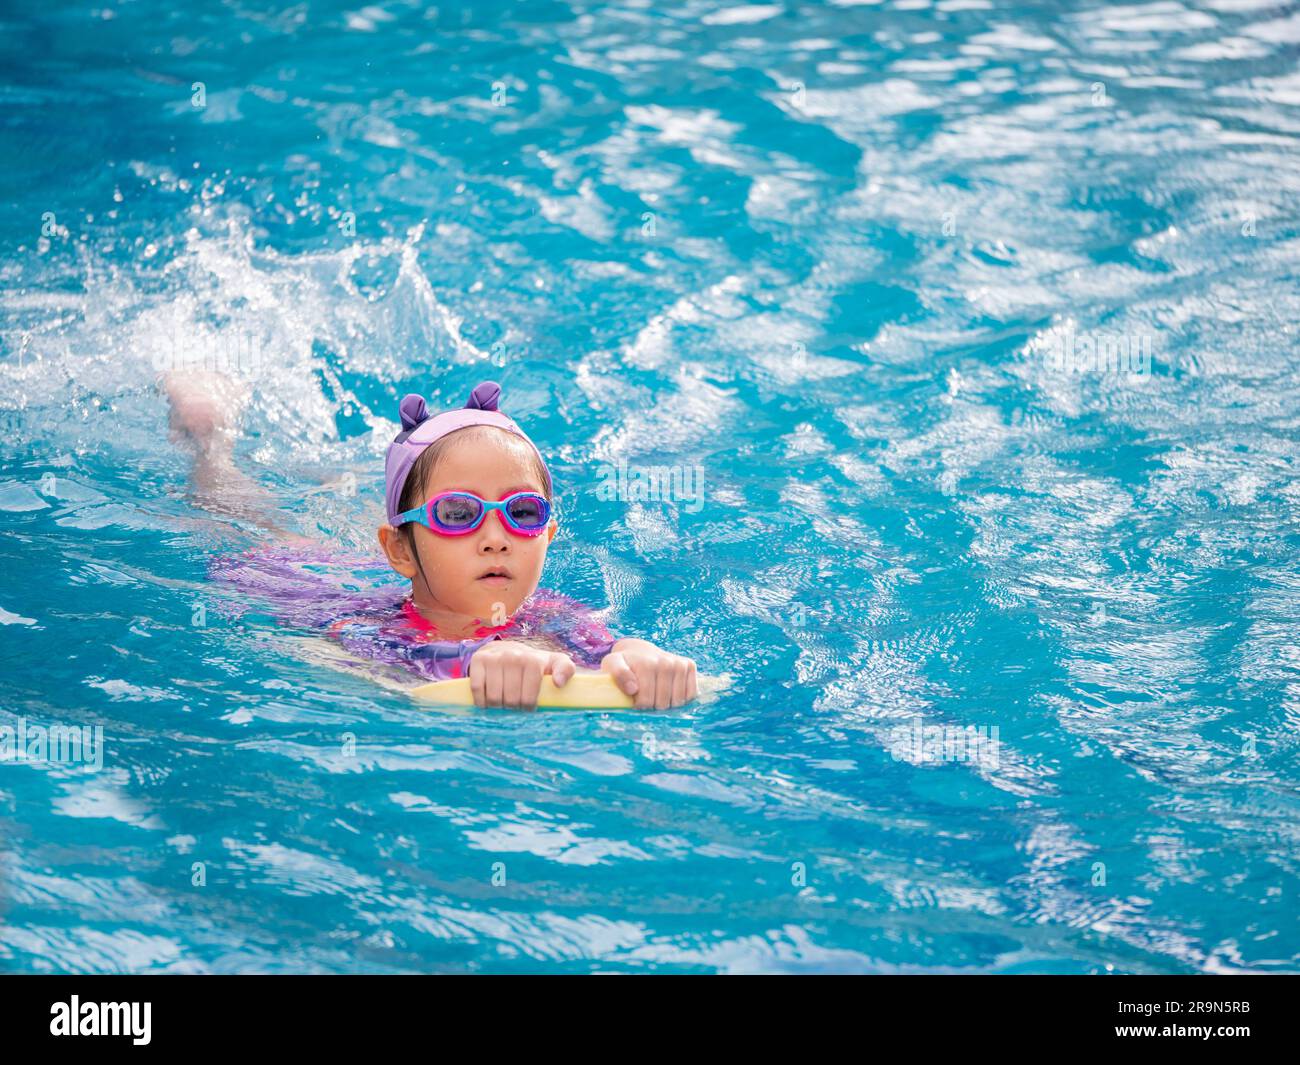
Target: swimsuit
[{"x": 354, "y": 600}]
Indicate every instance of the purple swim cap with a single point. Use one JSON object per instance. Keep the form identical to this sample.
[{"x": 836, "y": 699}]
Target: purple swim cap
[{"x": 420, "y": 429}]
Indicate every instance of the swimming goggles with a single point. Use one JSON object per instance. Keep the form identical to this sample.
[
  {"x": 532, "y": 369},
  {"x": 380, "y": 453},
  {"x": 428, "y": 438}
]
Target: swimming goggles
[{"x": 458, "y": 513}]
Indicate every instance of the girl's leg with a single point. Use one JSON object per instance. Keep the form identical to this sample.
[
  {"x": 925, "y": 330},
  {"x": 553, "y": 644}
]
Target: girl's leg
[{"x": 205, "y": 408}]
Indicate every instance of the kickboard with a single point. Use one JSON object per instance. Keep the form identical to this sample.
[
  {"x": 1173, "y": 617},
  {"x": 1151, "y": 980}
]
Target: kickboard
[{"x": 584, "y": 691}]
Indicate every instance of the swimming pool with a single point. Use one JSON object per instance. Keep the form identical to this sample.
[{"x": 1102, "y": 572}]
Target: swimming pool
[{"x": 975, "y": 325}]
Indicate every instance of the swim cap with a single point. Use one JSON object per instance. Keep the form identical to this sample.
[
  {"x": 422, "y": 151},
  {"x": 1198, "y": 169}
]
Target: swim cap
[{"x": 420, "y": 429}]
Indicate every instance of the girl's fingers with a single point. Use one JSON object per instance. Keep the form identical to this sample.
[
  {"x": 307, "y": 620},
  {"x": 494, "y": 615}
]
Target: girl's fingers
[
  {"x": 512, "y": 686},
  {"x": 645, "y": 688},
  {"x": 681, "y": 680},
  {"x": 532, "y": 683},
  {"x": 656, "y": 680},
  {"x": 477, "y": 684},
  {"x": 616, "y": 666},
  {"x": 494, "y": 680},
  {"x": 561, "y": 668},
  {"x": 514, "y": 680},
  {"x": 664, "y": 684}
]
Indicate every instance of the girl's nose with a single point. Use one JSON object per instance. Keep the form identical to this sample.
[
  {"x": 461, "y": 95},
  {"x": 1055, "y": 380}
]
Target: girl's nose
[{"x": 493, "y": 538}]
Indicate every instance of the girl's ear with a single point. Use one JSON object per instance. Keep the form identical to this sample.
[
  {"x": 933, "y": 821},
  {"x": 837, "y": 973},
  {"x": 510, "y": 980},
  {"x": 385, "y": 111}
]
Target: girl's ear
[
  {"x": 397, "y": 549},
  {"x": 550, "y": 532}
]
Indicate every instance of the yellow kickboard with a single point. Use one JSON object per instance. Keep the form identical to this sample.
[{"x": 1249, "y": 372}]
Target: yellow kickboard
[{"x": 584, "y": 691}]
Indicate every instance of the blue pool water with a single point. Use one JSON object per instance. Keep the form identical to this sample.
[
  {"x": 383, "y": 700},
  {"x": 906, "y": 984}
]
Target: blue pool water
[{"x": 831, "y": 255}]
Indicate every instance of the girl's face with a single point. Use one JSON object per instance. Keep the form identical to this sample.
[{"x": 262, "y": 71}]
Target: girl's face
[{"x": 482, "y": 576}]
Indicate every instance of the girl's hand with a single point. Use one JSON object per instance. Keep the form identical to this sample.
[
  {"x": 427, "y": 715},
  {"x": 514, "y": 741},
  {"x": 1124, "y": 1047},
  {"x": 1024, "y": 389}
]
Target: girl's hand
[
  {"x": 653, "y": 677},
  {"x": 508, "y": 674}
]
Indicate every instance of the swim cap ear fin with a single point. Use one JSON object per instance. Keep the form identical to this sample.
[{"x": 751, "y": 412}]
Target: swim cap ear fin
[
  {"x": 485, "y": 396},
  {"x": 413, "y": 410}
]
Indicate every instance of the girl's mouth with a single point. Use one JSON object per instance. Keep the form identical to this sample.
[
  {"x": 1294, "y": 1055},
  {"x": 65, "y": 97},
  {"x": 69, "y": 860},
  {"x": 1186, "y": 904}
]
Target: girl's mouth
[{"x": 496, "y": 576}]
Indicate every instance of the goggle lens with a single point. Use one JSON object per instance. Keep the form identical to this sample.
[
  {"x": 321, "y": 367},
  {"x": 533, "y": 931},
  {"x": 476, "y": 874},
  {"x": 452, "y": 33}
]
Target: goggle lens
[
  {"x": 458, "y": 512},
  {"x": 527, "y": 511}
]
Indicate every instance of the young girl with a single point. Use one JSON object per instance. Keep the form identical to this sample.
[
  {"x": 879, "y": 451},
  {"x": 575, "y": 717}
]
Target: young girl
[{"x": 469, "y": 520}]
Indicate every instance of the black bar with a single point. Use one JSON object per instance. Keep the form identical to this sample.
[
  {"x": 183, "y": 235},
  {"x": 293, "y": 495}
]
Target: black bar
[{"x": 380, "y": 1014}]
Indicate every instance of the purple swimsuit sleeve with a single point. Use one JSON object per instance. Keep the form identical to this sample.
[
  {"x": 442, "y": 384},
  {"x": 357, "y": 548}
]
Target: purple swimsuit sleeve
[
  {"x": 574, "y": 627},
  {"x": 306, "y": 587}
]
